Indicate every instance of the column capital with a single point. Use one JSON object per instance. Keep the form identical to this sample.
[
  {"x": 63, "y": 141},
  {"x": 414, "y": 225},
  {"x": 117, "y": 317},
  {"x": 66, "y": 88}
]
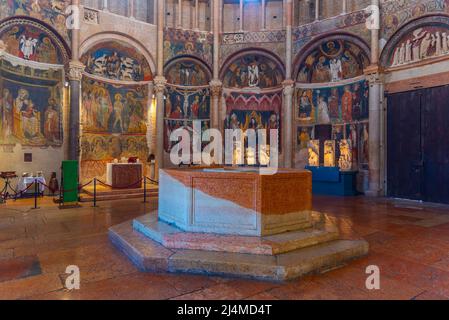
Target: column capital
[
  {"x": 76, "y": 69},
  {"x": 289, "y": 87},
  {"x": 374, "y": 74},
  {"x": 216, "y": 87},
  {"x": 159, "y": 84}
]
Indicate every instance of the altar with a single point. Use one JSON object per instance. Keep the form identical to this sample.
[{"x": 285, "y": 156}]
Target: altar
[{"x": 124, "y": 175}]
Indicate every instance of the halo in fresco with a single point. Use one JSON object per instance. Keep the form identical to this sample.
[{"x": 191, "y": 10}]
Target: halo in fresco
[
  {"x": 118, "y": 61},
  {"x": 333, "y": 61},
  {"x": 253, "y": 71}
]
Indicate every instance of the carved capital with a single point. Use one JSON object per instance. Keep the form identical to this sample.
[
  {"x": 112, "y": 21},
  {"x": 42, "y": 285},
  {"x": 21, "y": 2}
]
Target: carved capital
[
  {"x": 289, "y": 87},
  {"x": 76, "y": 69},
  {"x": 159, "y": 84},
  {"x": 216, "y": 88},
  {"x": 374, "y": 74}
]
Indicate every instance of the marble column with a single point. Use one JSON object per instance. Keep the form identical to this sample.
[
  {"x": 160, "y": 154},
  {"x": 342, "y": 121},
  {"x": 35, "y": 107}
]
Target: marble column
[
  {"x": 317, "y": 10},
  {"x": 75, "y": 75},
  {"x": 131, "y": 9},
  {"x": 241, "y": 16},
  {"x": 159, "y": 88},
  {"x": 375, "y": 78},
  {"x": 288, "y": 123},
  {"x": 263, "y": 11},
  {"x": 345, "y": 5},
  {"x": 179, "y": 14},
  {"x": 105, "y": 5},
  {"x": 216, "y": 91},
  {"x": 195, "y": 16}
]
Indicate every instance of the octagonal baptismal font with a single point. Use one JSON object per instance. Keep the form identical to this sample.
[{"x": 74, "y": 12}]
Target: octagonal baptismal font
[{"x": 235, "y": 222}]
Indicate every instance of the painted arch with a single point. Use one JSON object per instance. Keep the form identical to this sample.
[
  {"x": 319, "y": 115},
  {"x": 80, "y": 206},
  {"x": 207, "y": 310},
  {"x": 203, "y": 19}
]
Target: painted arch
[
  {"x": 418, "y": 41},
  {"x": 331, "y": 59},
  {"x": 34, "y": 41},
  {"x": 187, "y": 71},
  {"x": 253, "y": 69}
]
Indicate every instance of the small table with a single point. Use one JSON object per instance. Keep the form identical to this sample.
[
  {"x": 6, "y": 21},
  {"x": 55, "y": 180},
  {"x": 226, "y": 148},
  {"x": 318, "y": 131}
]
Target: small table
[
  {"x": 25, "y": 182},
  {"x": 124, "y": 175}
]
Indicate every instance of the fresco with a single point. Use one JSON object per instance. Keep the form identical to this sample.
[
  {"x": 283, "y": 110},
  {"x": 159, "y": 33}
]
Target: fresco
[
  {"x": 253, "y": 71},
  {"x": 172, "y": 125},
  {"x": 187, "y": 72},
  {"x": 116, "y": 109},
  {"x": 49, "y": 11},
  {"x": 339, "y": 104},
  {"x": 333, "y": 61},
  {"x": 118, "y": 61},
  {"x": 30, "y": 107},
  {"x": 420, "y": 44},
  {"x": 30, "y": 43},
  {"x": 179, "y": 42},
  {"x": 187, "y": 104},
  {"x": 99, "y": 149},
  {"x": 254, "y": 111}
]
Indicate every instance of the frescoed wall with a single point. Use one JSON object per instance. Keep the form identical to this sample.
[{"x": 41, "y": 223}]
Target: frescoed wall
[
  {"x": 31, "y": 105},
  {"x": 187, "y": 72},
  {"x": 338, "y": 112},
  {"x": 51, "y": 12},
  {"x": 118, "y": 61},
  {"x": 253, "y": 71},
  {"x": 178, "y": 42},
  {"x": 333, "y": 61},
  {"x": 114, "y": 121},
  {"x": 187, "y": 98}
]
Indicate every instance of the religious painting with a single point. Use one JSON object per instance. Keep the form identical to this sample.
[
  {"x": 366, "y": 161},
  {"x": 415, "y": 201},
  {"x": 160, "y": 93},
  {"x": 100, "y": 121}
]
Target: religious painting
[
  {"x": 364, "y": 144},
  {"x": 49, "y": 11},
  {"x": 171, "y": 125},
  {"x": 179, "y": 42},
  {"x": 314, "y": 153},
  {"x": 420, "y": 44},
  {"x": 118, "y": 61},
  {"x": 31, "y": 43},
  {"x": 253, "y": 71},
  {"x": 187, "y": 103},
  {"x": 99, "y": 149},
  {"x": 115, "y": 109},
  {"x": 254, "y": 111},
  {"x": 187, "y": 72},
  {"x": 329, "y": 153},
  {"x": 339, "y": 104},
  {"x": 30, "y": 107},
  {"x": 345, "y": 161},
  {"x": 304, "y": 136},
  {"x": 353, "y": 136},
  {"x": 333, "y": 61}
]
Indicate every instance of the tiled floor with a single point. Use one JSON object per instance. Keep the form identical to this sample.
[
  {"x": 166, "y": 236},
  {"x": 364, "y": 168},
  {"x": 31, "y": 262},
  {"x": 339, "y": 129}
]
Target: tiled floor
[{"x": 409, "y": 242}]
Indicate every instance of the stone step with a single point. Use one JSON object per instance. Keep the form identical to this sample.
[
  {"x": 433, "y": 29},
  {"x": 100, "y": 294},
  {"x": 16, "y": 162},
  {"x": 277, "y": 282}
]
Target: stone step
[
  {"x": 150, "y": 256},
  {"x": 172, "y": 237}
]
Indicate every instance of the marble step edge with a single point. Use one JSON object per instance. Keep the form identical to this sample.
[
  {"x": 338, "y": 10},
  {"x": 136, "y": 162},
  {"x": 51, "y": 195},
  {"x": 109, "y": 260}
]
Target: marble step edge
[
  {"x": 87, "y": 198},
  {"x": 173, "y": 238},
  {"x": 149, "y": 256}
]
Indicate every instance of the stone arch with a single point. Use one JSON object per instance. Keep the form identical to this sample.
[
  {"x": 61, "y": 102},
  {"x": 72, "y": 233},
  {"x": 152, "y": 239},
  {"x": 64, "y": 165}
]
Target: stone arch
[
  {"x": 174, "y": 74},
  {"x": 50, "y": 48},
  {"x": 410, "y": 37},
  {"x": 115, "y": 41},
  {"x": 352, "y": 50},
  {"x": 234, "y": 69}
]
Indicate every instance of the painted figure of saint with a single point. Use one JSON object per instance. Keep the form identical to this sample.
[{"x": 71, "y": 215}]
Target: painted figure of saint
[
  {"x": 305, "y": 106},
  {"x": 20, "y": 103},
  {"x": 346, "y": 104},
  {"x": 31, "y": 121},
  {"x": 356, "y": 102},
  {"x": 28, "y": 47},
  {"x": 51, "y": 122},
  {"x": 336, "y": 70},
  {"x": 253, "y": 74},
  {"x": 7, "y": 113},
  {"x": 333, "y": 104},
  {"x": 196, "y": 107},
  {"x": 118, "y": 108},
  {"x": 323, "y": 111}
]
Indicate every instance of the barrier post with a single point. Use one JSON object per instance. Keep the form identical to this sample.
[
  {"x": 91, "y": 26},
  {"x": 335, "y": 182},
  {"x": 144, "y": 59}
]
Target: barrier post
[
  {"x": 95, "y": 192},
  {"x": 36, "y": 190},
  {"x": 145, "y": 190}
]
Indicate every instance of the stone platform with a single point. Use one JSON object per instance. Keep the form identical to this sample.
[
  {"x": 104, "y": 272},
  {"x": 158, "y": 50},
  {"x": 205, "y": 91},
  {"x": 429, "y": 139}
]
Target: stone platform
[
  {"x": 109, "y": 194},
  {"x": 235, "y": 223},
  {"x": 154, "y": 246}
]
